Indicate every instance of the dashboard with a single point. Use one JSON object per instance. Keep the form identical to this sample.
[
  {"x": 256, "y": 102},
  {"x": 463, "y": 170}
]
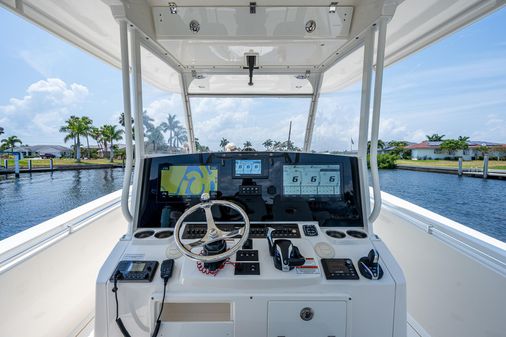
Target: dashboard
[{"x": 269, "y": 186}]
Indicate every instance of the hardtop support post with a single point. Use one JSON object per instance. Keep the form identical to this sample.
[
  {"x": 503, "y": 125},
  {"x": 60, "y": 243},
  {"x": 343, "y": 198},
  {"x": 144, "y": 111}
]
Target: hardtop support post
[
  {"x": 317, "y": 84},
  {"x": 365, "y": 105},
  {"x": 378, "y": 83},
  {"x": 188, "y": 112},
  {"x": 127, "y": 118},
  {"x": 135, "y": 52}
]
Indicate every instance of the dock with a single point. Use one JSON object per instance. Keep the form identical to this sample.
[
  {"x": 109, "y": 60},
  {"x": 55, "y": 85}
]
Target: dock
[{"x": 475, "y": 173}]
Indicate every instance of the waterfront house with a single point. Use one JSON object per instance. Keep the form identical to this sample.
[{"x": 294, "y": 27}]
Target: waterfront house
[
  {"x": 432, "y": 150},
  {"x": 40, "y": 150}
]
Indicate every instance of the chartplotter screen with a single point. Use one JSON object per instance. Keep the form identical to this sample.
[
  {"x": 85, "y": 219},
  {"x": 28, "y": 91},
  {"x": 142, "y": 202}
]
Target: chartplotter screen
[{"x": 188, "y": 180}]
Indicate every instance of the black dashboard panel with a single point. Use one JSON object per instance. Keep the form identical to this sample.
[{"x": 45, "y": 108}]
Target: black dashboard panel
[{"x": 269, "y": 186}]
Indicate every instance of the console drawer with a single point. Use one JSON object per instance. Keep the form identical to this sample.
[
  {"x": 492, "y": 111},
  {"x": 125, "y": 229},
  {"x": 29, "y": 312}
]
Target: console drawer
[{"x": 321, "y": 318}]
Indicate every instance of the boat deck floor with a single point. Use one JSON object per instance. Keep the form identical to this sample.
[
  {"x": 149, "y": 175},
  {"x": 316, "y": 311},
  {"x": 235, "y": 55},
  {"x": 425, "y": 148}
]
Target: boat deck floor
[{"x": 88, "y": 331}]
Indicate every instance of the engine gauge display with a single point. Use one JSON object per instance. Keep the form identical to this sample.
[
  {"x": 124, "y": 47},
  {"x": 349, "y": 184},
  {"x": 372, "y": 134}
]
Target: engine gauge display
[{"x": 311, "y": 180}]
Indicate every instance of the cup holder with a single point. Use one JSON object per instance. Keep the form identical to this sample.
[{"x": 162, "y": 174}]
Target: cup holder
[
  {"x": 164, "y": 234},
  {"x": 336, "y": 234},
  {"x": 356, "y": 234},
  {"x": 144, "y": 234}
]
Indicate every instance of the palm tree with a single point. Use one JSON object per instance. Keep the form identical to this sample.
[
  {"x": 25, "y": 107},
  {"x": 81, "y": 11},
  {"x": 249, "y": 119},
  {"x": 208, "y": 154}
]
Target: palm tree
[
  {"x": 381, "y": 145},
  {"x": 10, "y": 142},
  {"x": 247, "y": 144},
  {"x": 110, "y": 134},
  {"x": 268, "y": 144},
  {"x": 96, "y": 134},
  {"x": 435, "y": 137},
  {"x": 180, "y": 136},
  {"x": 75, "y": 127},
  {"x": 223, "y": 143},
  {"x": 121, "y": 121},
  {"x": 155, "y": 136},
  {"x": 88, "y": 122},
  {"x": 463, "y": 138},
  {"x": 171, "y": 125}
]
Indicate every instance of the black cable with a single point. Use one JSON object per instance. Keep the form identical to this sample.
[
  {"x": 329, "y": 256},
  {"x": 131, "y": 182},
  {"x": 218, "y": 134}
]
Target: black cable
[
  {"x": 158, "y": 321},
  {"x": 120, "y": 324}
]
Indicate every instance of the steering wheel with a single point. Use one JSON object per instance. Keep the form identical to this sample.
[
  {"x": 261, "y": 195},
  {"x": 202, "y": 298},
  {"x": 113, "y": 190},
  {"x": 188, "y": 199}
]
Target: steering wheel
[{"x": 213, "y": 233}]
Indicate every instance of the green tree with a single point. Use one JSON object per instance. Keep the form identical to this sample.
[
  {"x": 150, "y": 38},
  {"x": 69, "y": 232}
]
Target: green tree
[
  {"x": 10, "y": 142},
  {"x": 96, "y": 134},
  {"x": 463, "y": 138},
  {"x": 381, "y": 145},
  {"x": 88, "y": 122},
  {"x": 154, "y": 136},
  {"x": 199, "y": 147},
  {"x": 452, "y": 145},
  {"x": 111, "y": 134},
  {"x": 223, "y": 143},
  {"x": 268, "y": 144},
  {"x": 483, "y": 149},
  {"x": 247, "y": 144},
  {"x": 171, "y": 125},
  {"x": 121, "y": 121},
  {"x": 435, "y": 137},
  {"x": 75, "y": 128},
  {"x": 180, "y": 137}
]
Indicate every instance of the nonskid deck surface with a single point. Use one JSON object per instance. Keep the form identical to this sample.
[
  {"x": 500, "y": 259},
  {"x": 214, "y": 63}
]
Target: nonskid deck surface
[{"x": 88, "y": 331}]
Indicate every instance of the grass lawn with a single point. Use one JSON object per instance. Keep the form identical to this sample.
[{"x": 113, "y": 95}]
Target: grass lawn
[
  {"x": 60, "y": 162},
  {"x": 492, "y": 164}
]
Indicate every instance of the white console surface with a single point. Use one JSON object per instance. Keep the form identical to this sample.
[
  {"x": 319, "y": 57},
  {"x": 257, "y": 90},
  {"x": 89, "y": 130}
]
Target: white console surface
[{"x": 255, "y": 302}]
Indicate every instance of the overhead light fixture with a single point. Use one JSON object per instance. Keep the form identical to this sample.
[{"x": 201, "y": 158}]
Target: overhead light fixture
[
  {"x": 173, "y": 8},
  {"x": 333, "y": 7}
]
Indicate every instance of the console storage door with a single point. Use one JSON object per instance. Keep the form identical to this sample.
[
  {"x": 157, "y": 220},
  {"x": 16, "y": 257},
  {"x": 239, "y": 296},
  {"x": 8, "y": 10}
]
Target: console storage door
[{"x": 307, "y": 318}]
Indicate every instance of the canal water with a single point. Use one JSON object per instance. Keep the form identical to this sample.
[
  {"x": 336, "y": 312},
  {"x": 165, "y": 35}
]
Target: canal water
[{"x": 36, "y": 197}]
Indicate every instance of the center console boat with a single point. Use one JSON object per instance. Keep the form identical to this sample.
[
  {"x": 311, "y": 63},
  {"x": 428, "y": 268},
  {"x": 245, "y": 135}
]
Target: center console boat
[{"x": 251, "y": 244}]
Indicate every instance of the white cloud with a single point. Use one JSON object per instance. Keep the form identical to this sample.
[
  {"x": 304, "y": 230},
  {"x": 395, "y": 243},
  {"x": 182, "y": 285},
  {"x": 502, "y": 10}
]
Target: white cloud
[
  {"x": 37, "y": 116},
  {"x": 160, "y": 109}
]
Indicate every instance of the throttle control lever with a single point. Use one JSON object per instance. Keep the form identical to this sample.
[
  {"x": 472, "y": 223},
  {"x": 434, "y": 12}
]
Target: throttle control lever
[{"x": 369, "y": 266}]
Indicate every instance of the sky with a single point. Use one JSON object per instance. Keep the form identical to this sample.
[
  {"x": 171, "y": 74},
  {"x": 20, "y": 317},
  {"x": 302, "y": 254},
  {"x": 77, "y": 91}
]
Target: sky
[{"x": 455, "y": 87}]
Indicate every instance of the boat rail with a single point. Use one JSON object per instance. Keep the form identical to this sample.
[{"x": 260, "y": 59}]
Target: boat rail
[
  {"x": 21, "y": 246},
  {"x": 484, "y": 248}
]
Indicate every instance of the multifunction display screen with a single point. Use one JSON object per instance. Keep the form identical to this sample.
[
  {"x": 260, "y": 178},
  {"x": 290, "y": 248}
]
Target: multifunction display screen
[
  {"x": 188, "y": 180},
  {"x": 311, "y": 180},
  {"x": 248, "y": 167}
]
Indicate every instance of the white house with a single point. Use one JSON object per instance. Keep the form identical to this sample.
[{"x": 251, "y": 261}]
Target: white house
[
  {"x": 432, "y": 150},
  {"x": 39, "y": 150}
]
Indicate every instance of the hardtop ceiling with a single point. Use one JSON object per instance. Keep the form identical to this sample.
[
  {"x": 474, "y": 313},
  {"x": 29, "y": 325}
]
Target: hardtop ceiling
[{"x": 279, "y": 37}]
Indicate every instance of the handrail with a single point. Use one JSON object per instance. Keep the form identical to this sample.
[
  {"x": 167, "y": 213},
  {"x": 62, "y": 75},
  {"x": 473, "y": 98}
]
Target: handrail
[
  {"x": 127, "y": 119},
  {"x": 378, "y": 83}
]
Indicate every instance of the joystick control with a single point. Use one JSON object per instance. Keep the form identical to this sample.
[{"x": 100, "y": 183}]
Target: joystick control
[{"x": 369, "y": 266}]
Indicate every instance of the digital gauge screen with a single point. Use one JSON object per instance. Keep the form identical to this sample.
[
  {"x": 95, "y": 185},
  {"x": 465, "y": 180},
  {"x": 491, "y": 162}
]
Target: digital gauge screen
[
  {"x": 248, "y": 167},
  {"x": 311, "y": 180},
  {"x": 187, "y": 180}
]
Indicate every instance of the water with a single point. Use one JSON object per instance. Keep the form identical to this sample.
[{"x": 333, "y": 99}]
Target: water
[
  {"x": 474, "y": 202},
  {"x": 34, "y": 198}
]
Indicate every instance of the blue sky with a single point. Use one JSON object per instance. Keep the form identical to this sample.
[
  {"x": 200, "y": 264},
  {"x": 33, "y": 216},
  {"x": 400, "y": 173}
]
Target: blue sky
[{"x": 454, "y": 87}]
